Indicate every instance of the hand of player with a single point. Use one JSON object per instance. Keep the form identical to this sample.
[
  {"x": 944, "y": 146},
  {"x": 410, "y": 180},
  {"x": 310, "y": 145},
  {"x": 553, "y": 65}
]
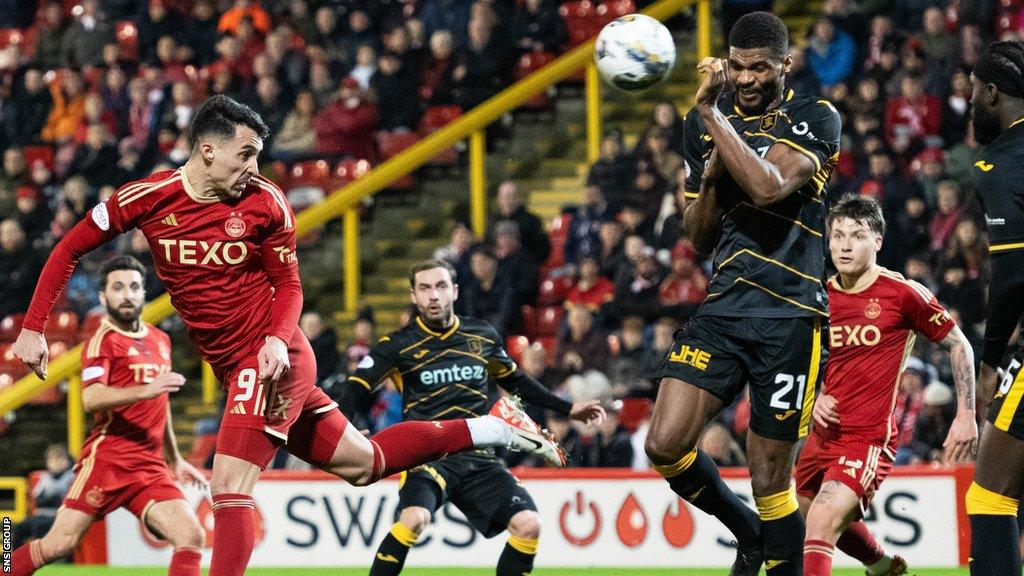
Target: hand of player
[
  {"x": 30, "y": 348},
  {"x": 962, "y": 440},
  {"x": 825, "y": 410},
  {"x": 273, "y": 359},
  {"x": 590, "y": 413},
  {"x": 714, "y": 168},
  {"x": 188, "y": 474},
  {"x": 165, "y": 383},
  {"x": 716, "y": 73}
]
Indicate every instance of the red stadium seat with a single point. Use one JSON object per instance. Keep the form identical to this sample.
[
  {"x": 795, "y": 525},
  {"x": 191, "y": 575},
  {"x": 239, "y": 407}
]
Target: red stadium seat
[
  {"x": 516, "y": 345},
  {"x": 62, "y": 326},
  {"x": 528, "y": 64},
  {"x": 550, "y": 346},
  {"x": 391, "y": 144},
  {"x": 10, "y": 326},
  {"x": 347, "y": 171},
  {"x": 581, "y": 20},
  {"x": 128, "y": 39},
  {"x": 529, "y": 317},
  {"x": 549, "y": 319},
  {"x": 612, "y": 9},
  {"x": 42, "y": 153},
  {"x": 633, "y": 412},
  {"x": 9, "y": 36},
  {"x": 557, "y": 257},
  {"x": 435, "y": 118},
  {"x": 560, "y": 226},
  {"x": 314, "y": 173},
  {"x": 554, "y": 290}
]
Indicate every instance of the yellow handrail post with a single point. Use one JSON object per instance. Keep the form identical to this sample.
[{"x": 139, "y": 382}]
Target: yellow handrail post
[
  {"x": 704, "y": 28},
  {"x": 593, "y": 89},
  {"x": 478, "y": 183},
  {"x": 18, "y": 485},
  {"x": 351, "y": 236},
  {"x": 209, "y": 384},
  {"x": 76, "y": 416}
]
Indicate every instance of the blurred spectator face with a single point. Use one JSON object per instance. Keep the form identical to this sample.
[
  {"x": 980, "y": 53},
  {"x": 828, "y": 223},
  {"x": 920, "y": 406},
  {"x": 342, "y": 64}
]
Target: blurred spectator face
[
  {"x": 298, "y": 8},
  {"x": 181, "y": 94},
  {"x": 366, "y": 55},
  {"x": 954, "y": 275},
  {"x": 657, "y": 142},
  {"x": 461, "y": 238},
  {"x": 28, "y": 198},
  {"x": 853, "y": 245},
  {"x": 534, "y": 358},
  {"x": 14, "y": 162},
  {"x": 634, "y": 248},
  {"x": 632, "y": 332},
  {"x": 111, "y": 53},
  {"x": 137, "y": 91},
  {"x": 867, "y": 90},
  {"x": 57, "y": 460},
  {"x": 12, "y": 236},
  {"x": 912, "y": 382},
  {"x": 483, "y": 266},
  {"x": 358, "y": 21},
  {"x": 227, "y": 48},
  {"x": 106, "y": 192},
  {"x": 389, "y": 64},
  {"x": 967, "y": 232},
  {"x": 824, "y": 30},
  {"x": 917, "y": 269},
  {"x": 96, "y": 135},
  {"x": 33, "y": 81},
  {"x": 839, "y": 91},
  {"x": 277, "y": 43},
  {"x": 665, "y": 114},
  {"x": 646, "y": 265},
  {"x": 53, "y": 14},
  {"x": 319, "y": 75},
  {"x": 631, "y": 216},
  {"x": 880, "y": 165},
  {"x": 611, "y": 423},
  {"x": 75, "y": 191},
  {"x": 508, "y": 198},
  {"x": 434, "y": 293},
  {"x": 864, "y": 123},
  {"x": 506, "y": 239},
  {"x": 911, "y": 87},
  {"x": 441, "y": 44},
  {"x": 157, "y": 11},
  {"x": 881, "y": 26},
  {"x": 915, "y": 207},
  {"x": 72, "y": 84},
  {"x": 664, "y": 333},
  {"x": 611, "y": 147},
  {"x": 93, "y": 107},
  {"x": 948, "y": 196},
  {"x": 397, "y": 40},
  {"x": 311, "y": 324},
  {"x": 592, "y": 195},
  {"x": 325, "y": 21},
  {"x": 414, "y": 26},
  {"x": 305, "y": 104},
  {"x": 934, "y": 23},
  {"x": 589, "y": 270},
  {"x": 349, "y": 92},
  {"x": 580, "y": 320},
  {"x": 268, "y": 90},
  {"x": 89, "y": 8},
  {"x": 40, "y": 173},
  {"x": 245, "y": 29},
  {"x": 716, "y": 442},
  {"x": 913, "y": 59},
  {"x": 483, "y": 11},
  {"x": 165, "y": 48},
  {"x": 479, "y": 33},
  {"x": 116, "y": 80},
  {"x": 202, "y": 10},
  {"x": 363, "y": 330},
  {"x": 961, "y": 83},
  {"x": 610, "y": 233}
]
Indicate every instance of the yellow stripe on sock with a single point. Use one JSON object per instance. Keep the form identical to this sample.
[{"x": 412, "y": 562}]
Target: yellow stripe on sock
[
  {"x": 981, "y": 501},
  {"x": 403, "y": 534},
  {"x": 524, "y": 545},
  {"x": 670, "y": 470},
  {"x": 777, "y": 506}
]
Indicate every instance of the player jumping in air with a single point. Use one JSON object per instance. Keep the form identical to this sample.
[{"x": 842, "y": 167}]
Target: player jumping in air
[
  {"x": 223, "y": 241},
  {"x": 443, "y": 365},
  {"x": 130, "y": 459},
  {"x": 759, "y": 158},
  {"x": 997, "y": 114},
  {"x": 874, "y": 314}
]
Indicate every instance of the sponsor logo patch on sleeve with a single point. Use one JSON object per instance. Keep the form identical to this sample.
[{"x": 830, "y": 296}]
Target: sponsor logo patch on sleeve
[
  {"x": 100, "y": 216},
  {"x": 92, "y": 372}
]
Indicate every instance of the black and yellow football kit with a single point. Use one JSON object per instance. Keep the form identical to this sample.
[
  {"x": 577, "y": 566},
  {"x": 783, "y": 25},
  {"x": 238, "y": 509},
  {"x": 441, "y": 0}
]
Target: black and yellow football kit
[
  {"x": 447, "y": 375},
  {"x": 761, "y": 322}
]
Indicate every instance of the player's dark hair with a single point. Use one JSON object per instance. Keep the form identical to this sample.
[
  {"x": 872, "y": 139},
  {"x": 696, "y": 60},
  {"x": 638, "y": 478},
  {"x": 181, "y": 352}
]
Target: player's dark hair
[
  {"x": 1002, "y": 64},
  {"x": 860, "y": 209},
  {"x": 761, "y": 30},
  {"x": 429, "y": 265},
  {"x": 220, "y": 115},
  {"x": 124, "y": 262}
]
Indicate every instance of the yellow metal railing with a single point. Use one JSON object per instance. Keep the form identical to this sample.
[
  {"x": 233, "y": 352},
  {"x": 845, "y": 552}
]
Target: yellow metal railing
[
  {"x": 19, "y": 486},
  {"x": 345, "y": 202}
]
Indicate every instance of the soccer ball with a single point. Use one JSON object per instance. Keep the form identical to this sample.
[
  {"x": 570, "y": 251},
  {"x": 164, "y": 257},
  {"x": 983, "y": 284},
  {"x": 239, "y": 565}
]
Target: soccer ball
[{"x": 634, "y": 52}]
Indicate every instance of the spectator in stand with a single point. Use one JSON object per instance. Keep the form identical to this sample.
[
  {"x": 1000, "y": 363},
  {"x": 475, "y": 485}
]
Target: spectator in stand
[
  {"x": 176, "y": 113},
  {"x": 19, "y": 268},
  {"x": 583, "y": 346},
  {"x": 201, "y": 32},
  {"x": 591, "y": 289},
  {"x": 95, "y": 159},
  {"x": 686, "y": 286},
  {"x": 271, "y": 107},
  {"x": 324, "y": 342},
  {"x": 47, "y": 495},
  {"x": 631, "y": 360},
  {"x": 885, "y": 68},
  {"x": 610, "y": 447},
  {"x": 906, "y": 231},
  {"x": 360, "y": 32},
  {"x": 365, "y": 65},
  {"x": 450, "y": 15},
  {"x": 969, "y": 243},
  {"x": 515, "y": 263},
  {"x": 657, "y": 154},
  {"x": 912, "y": 116},
  {"x": 114, "y": 93},
  {"x": 955, "y": 109},
  {"x": 801, "y": 78},
  {"x": 25, "y": 113},
  {"x": 398, "y": 42},
  {"x": 963, "y": 294},
  {"x": 635, "y": 216},
  {"x": 394, "y": 86},
  {"x": 296, "y": 140},
  {"x": 83, "y": 41},
  {"x": 664, "y": 333},
  {"x": 612, "y": 248},
  {"x": 68, "y": 108},
  {"x": 621, "y": 271},
  {"x": 510, "y": 206},
  {"x": 345, "y": 128},
  {"x": 157, "y": 23},
  {"x": 32, "y": 213},
  {"x": 931, "y": 426},
  {"x": 142, "y": 112},
  {"x": 867, "y": 99},
  {"x": 719, "y": 444},
  {"x": 944, "y": 221},
  {"x": 613, "y": 172},
  {"x": 437, "y": 79},
  {"x": 14, "y": 175},
  {"x": 328, "y": 43},
  {"x": 487, "y": 295},
  {"x": 936, "y": 42},
  {"x": 583, "y": 237},
  {"x": 926, "y": 169},
  {"x": 909, "y": 401},
  {"x": 830, "y": 53},
  {"x": 457, "y": 251},
  {"x": 363, "y": 337},
  {"x": 668, "y": 228},
  {"x": 537, "y": 26},
  {"x": 243, "y": 9},
  {"x": 637, "y": 294},
  {"x": 483, "y": 65},
  {"x": 565, "y": 434},
  {"x": 49, "y": 35}
]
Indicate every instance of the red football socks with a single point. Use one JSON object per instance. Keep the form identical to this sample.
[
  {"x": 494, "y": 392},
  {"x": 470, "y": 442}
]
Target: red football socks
[
  {"x": 409, "y": 444},
  {"x": 858, "y": 542},
  {"x": 27, "y": 559},
  {"x": 234, "y": 534},
  {"x": 185, "y": 561},
  {"x": 818, "y": 558}
]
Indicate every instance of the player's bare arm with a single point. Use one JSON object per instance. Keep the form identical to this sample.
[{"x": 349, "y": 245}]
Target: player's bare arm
[
  {"x": 183, "y": 471},
  {"x": 765, "y": 180},
  {"x": 702, "y": 217},
  {"x": 962, "y": 440},
  {"x": 99, "y": 397}
]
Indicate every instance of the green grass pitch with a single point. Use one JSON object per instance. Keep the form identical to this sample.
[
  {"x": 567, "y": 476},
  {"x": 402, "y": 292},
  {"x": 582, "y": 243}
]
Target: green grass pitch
[{"x": 104, "y": 571}]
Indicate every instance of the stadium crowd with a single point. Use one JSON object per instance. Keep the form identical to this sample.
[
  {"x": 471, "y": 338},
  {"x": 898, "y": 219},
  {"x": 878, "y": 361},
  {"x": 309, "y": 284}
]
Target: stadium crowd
[{"x": 101, "y": 92}]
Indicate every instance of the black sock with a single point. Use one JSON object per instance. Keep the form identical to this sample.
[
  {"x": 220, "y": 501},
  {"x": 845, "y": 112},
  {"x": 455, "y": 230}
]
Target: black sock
[
  {"x": 784, "y": 545},
  {"x": 699, "y": 483},
  {"x": 517, "y": 557},
  {"x": 995, "y": 545},
  {"x": 391, "y": 554}
]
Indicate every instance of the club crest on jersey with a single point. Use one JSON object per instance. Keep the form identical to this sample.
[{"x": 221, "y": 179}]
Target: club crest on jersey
[
  {"x": 476, "y": 346},
  {"x": 95, "y": 497},
  {"x": 873, "y": 309},
  {"x": 769, "y": 121},
  {"x": 234, "y": 226}
]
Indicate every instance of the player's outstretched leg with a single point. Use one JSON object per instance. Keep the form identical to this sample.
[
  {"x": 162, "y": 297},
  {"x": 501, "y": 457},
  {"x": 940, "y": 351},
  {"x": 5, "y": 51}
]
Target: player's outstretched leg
[
  {"x": 521, "y": 549},
  {"x": 175, "y": 522},
  {"x": 242, "y": 454},
  {"x": 395, "y": 547},
  {"x": 833, "y": 508},
  {"x": 691, "y": 474},
  {"x": 67, "y": 531},
  {"x": 782, "y": 526},
  {"x": 992, "y": 502},
  {"x": 859, "y": 543}
]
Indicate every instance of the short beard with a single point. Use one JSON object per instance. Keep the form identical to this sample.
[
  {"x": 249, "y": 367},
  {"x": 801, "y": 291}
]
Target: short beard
[
  {"x": 127, "y": 318},
  {"x": 986, "y": 125}
]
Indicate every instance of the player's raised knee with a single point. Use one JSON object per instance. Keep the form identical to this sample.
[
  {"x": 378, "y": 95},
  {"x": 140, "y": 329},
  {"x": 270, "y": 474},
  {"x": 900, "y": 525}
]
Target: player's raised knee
[
  {"x": 525, "y": 524},
  {"x": 661, "y": 449},
  {"x": 56, "y": 546},
  {"x": 188, "y": 535},
  {"x": 415, "y": 518}
]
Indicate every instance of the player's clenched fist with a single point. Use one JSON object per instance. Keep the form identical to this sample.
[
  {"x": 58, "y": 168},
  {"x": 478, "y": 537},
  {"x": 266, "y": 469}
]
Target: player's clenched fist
[
  {"x": 273, "y": 358},
  {"x": 166, "y": 383},
  {"x": 825, "y": 412},
  {"x": 31, "y": 349},
  {"x": 716, "y": 73}
]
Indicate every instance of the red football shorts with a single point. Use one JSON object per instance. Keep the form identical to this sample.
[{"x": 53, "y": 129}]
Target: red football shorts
[
  {"x": 860, "y": 465},
  {"x": 105, "y": 482},
  {"x": 261, "y": 417}
]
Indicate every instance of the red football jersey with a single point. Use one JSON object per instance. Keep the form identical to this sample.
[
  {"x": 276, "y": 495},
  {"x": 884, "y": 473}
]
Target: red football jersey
[
  {"x": 121, "y": 359},
  {"x": 871, "y": 334}
]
